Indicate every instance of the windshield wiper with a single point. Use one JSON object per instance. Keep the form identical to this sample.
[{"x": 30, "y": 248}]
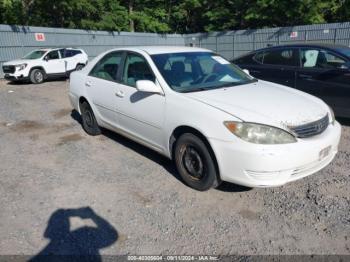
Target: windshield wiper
[
  {"x": 195, "y": 90},
  {"x": 217, "y": 87},
  {"x": 237, "y": 83}
]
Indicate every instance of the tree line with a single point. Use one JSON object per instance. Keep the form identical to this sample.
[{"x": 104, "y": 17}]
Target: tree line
[{"x": 172, "y": 16}]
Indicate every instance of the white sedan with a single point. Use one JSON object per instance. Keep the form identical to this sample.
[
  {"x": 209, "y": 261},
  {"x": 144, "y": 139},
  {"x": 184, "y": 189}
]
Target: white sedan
[{"x": 215, "y": 121}]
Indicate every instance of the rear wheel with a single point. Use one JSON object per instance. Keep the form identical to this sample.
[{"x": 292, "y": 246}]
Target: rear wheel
[
  {"x": 195, "y": 163},
  {"x": 37, "y": 76},
  {"x": 89, "y": 122}
]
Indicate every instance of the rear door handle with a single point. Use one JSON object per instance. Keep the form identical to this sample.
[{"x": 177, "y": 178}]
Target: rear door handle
[
  {"x": 120, "y": 93},
  {"x": 305, "y": 76},
  {"x": 88, "y": 83},
  {"x": 255, "y": 71}
]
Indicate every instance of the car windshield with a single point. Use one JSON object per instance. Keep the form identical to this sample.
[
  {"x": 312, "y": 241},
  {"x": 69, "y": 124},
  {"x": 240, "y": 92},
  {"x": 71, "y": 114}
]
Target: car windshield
[
  {"x": 199, "y": 71},
  {"x": 344, "y": 51},
  {"x": 35, "y": 54}
]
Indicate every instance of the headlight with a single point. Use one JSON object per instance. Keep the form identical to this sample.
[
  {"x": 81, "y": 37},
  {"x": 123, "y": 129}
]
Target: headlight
[
  {"x": 259, "y": 134},
  {"x": 20, "y": 67},
  {"x": 331, "y": 116}
]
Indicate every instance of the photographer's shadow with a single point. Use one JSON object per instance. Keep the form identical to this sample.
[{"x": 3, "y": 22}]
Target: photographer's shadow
[{"x": 82, "y": 243}]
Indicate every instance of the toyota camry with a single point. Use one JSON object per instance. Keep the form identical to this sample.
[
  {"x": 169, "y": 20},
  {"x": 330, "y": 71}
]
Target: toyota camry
[{"x": 215, "y": 121}]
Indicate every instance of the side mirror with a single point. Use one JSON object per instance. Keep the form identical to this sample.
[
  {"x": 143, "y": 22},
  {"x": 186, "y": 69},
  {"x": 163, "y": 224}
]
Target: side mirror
[
  {"x": 46, "y": 58},
  {"x": 148, "y": 86},
  {"x": 246, "y": 71}
]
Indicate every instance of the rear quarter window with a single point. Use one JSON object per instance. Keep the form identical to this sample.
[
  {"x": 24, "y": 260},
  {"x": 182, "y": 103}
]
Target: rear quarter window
[
  {"x": 259, "y": 57},
  {"x": 248, "y": 59},
  {"x": 71, "y": 53}
]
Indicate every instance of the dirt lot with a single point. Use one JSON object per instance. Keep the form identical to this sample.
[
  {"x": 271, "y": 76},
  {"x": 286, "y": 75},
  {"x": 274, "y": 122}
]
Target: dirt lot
[{"x": 51, "y": 171}]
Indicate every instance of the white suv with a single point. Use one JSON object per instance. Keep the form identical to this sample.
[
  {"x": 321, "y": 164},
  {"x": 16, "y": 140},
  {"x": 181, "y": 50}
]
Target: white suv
[{"x": 42, "y": 64}]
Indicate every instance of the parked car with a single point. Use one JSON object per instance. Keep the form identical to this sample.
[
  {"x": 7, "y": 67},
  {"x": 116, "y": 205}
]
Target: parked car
[
  {"x": 319, "y": 69},
  {"x": 41, "y": 64},
  {"x": 216, "y": 122}
]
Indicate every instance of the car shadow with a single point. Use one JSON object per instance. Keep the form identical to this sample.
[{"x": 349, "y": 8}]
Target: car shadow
[
  {"x": 18, "y": 83},
  {"x": 80, "y": 244},
  {"x": 166, "y": 163},
  {"x": 232, "y": 188},
  {"x": 27, "y": 82},
  {"x": 138, "y": 148}
]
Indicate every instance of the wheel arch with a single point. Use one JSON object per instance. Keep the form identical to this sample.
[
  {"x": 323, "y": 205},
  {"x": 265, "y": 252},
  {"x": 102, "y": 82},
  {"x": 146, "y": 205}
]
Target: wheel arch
[
  {"x": 80, "y": 63},
  {"x": 82, "y": 99},
  {"x": 37, "y": 67},
  {"x": 180, "y": 130}
]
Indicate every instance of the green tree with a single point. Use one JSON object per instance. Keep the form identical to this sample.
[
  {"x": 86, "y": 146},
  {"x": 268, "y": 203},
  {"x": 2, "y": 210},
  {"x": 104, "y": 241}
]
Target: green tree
[
  {"x": 178, "y": 16},
  {"x": 11, "y": 12}
]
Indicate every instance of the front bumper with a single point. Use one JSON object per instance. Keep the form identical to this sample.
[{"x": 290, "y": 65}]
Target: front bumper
[
  {"x": 13, "y": 77},
  {"x": 18, "y": 75},
  {"x": 255, "y": 165}
]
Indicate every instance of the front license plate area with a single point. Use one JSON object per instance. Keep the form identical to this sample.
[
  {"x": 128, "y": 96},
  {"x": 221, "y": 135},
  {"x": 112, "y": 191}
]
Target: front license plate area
[{"x": 324, "y": 153}]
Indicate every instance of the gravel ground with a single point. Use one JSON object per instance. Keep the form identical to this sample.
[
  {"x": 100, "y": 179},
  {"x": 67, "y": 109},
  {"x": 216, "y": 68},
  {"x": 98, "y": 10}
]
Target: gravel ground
[{"x": 63, "y": 190}]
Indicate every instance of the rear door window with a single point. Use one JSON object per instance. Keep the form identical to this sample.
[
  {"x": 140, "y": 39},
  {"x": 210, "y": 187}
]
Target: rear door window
[
  {"x": 259, "y": 57},
  {"x": 284, "y": 57},
  {"x": 107, "y": 67}
]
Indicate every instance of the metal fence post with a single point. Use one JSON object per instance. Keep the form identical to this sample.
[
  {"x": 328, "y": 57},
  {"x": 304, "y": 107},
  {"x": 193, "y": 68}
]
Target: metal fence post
[
  {"x": 233, "y": 45},
  {"x": 306, "y": 35},
  {"x": 253, "y": 41},
  {"x": 335, "y": 35}
]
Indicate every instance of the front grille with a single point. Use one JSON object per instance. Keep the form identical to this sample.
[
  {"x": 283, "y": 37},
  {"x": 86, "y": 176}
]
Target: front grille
[
  {"x": 8, "y": 69},
  {"x": 311, "y": 129}
]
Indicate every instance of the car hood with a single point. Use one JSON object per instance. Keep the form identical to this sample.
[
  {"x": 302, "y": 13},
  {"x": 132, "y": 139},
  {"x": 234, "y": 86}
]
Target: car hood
[
  {"x": 266, "y": 103},
  {"x": 18, "y": 61}
]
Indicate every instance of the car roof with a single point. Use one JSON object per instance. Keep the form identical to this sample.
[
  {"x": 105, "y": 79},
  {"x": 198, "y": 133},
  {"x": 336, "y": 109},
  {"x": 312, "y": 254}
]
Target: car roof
[
  {"x": 315, "y": 45},
  {"x": 153, "y": 50},
  {"x": 57, "y": 48},
  {"x": 319, "y": 45}
]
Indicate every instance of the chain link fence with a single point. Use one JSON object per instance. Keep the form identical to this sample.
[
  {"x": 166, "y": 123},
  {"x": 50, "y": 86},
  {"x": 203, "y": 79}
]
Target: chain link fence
[{"x": 235, "y": 43}]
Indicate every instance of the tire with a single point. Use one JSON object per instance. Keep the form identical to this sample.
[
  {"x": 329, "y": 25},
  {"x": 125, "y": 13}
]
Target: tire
[
  {"x": 88, "y": 120},
  {"x": 37, "y": 76},
  {"x": 195, "y": 163},
  {"x": 79, "y": 67}
]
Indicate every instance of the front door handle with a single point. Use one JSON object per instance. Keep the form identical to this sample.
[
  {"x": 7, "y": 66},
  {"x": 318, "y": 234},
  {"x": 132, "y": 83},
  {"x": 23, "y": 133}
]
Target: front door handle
[{"x": 120, "y": 93}]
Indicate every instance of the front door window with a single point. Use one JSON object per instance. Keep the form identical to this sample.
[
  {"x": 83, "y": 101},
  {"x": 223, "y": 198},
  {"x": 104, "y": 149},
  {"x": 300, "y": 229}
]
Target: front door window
[{"x": 315, "y": 58}]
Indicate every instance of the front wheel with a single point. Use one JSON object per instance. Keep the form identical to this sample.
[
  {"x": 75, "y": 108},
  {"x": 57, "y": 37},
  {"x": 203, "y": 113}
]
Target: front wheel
[
  {"x": 88, "y": 119},
  {"x": 195, "y": 163},
  {"x": 37, "y": 76}
]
